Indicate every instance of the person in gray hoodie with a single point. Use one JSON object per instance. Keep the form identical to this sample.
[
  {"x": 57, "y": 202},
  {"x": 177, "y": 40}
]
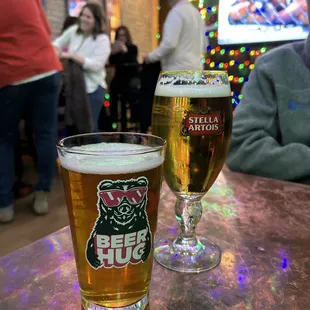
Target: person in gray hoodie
[{"x": 271, "y": 125}]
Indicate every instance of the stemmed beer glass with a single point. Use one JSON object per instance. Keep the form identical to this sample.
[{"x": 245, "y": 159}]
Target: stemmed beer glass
[{"x": 193, "y": 112}]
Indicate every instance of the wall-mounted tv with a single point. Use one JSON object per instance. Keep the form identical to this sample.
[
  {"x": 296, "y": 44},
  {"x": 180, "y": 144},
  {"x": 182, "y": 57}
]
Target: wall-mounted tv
[
  {"x": 75, "y": 6},
  {"x": 253, "y": 21}
]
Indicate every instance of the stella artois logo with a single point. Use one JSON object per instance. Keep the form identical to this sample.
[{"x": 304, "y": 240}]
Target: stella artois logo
[
  {"x": 121, "y": 234},
  {"x": 198, "y": 123}
]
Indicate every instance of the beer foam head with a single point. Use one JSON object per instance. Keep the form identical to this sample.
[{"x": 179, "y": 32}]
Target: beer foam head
[
  {"x": 193, "y": 85},
  {"x": 111, "y": 158}
]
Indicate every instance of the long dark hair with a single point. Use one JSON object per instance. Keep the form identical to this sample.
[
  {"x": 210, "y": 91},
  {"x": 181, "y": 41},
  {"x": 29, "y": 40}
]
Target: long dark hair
[
  {"x": 70, "y": 21},
  {"x": 99, "y": 20},
  {"x": 127, "y": 34}
]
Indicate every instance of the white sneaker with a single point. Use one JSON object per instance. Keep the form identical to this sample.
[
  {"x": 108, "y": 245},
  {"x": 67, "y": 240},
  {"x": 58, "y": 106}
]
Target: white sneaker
[
  {"x": 40, "y": 205},
  {"x": 6, "y": 214}
]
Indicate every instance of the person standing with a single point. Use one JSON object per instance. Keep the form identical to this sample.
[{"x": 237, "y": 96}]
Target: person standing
[
  {"x": 86, "y": 45},
  {"x": 124, "y": 56},
  {"x": 29, "y": 80},
  {"x": 183, "y": 41}
]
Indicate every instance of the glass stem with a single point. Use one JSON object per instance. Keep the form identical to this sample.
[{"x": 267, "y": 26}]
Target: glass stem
[{"x": 188, "y": 214}]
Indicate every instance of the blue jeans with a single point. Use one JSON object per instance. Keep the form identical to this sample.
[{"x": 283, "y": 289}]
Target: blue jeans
[
  {"x": 39, "y": 99},
  {"x": 96, "y": 100}
]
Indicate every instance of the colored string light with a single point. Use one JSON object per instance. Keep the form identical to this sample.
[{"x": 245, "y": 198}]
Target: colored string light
[
  {"x": 232, "y": 63},
  {"x": 237, "y": 79},
  {"x": 106, "y": 103},
  {"x": 233, "y": 52}
]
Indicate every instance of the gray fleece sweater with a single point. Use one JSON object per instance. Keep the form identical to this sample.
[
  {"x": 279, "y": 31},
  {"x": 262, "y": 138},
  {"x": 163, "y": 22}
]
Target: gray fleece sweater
[{"x": 271, "y": 125}]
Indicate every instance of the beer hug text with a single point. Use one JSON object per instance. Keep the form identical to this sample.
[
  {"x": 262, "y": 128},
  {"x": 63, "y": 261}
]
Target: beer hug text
[{"x": 120, "y": 250}]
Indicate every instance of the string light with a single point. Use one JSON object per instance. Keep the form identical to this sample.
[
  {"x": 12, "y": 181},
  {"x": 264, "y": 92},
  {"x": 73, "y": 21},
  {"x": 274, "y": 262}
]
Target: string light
[
  {"x": 106, "y": 103},
  {"x": 237, "y": 79},
  {"x": 232, "y": 63},
  {"x": 158, "y": 36},
  {"x": 237, "y": 52}
]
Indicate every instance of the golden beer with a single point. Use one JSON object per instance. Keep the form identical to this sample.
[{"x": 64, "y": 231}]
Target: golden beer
[
  {"x": 112, "y": 205},
  {"x": 194, "y": 159},
  {"x": 193, "y": 112}
]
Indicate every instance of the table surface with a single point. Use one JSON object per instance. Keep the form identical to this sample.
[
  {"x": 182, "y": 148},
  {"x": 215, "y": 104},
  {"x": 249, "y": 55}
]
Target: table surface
[{"x": 261, "y": 225}]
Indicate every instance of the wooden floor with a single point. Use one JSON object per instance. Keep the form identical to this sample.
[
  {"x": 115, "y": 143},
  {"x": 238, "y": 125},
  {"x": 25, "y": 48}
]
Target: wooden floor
[{"x": 28, "y": 227}]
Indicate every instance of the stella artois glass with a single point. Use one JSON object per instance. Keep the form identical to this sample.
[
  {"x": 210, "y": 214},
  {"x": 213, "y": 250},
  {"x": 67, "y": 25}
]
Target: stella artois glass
[
  {"x": 112, "y": 183},
  {"x": 193, "y": 112}
]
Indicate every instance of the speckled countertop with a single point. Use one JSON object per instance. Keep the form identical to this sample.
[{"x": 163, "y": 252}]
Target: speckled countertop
[{"x": 261, "y": 225}]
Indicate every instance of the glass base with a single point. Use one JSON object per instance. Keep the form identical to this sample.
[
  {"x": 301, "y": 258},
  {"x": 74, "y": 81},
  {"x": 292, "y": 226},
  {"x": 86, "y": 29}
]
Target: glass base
[
  {"x": 187, "y": 255},
  {"x": 140, "y": 305}
]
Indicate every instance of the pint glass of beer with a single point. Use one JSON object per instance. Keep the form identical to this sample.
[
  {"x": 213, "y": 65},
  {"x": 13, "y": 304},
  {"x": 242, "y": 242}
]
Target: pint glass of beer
[
  {"x": 112, "y": 183},
  {"x": 193, "y": 112}
]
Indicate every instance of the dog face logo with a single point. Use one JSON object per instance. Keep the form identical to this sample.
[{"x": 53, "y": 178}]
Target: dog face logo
[{"x": 121, "y": 234}]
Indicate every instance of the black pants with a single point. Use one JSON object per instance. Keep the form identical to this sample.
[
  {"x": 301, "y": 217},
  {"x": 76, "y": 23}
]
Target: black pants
[
  {"x": 149, "y": 77},
  {"x": 119, "y": 91}
]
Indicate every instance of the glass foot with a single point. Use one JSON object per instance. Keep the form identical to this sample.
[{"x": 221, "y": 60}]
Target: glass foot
[
  {"x": 187, "y": 256},
  {"x": 141, "y": 305}
]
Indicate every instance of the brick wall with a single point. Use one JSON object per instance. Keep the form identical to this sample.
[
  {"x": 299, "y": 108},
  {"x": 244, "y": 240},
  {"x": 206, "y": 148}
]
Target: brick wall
[
  {"x": 141, "y": 17},
  {"x": 56, "y": 14}
]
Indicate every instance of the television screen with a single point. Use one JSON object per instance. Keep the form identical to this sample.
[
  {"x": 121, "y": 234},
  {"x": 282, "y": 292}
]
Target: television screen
[
  {"x": 75, "y": 7},
  {"x": 251, "y": 21}
]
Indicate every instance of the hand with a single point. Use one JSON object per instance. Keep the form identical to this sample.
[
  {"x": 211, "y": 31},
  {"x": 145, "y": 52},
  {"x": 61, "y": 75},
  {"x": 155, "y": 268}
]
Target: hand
[
  {"x": 65, "y": 55},
  {"x": 123, "y": 47},
  {"x": 146, "y": 60}
]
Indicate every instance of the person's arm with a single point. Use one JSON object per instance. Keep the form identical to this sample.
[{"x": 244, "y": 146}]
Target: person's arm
[
  {"x": 99, "y": 58},
  {"x": 171, "y": 36},
  {"x": 255, "y": 147},
  {"x": 118, "y": 47},
  {"x": 132, "y": 54},
  {"x": 64, "y": 40}
]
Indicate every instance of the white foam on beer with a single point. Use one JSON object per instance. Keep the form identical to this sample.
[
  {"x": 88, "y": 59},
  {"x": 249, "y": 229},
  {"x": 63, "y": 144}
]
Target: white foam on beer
[
  {"x": 193, "y": 91},
  {"x": 109, "y": 158}
]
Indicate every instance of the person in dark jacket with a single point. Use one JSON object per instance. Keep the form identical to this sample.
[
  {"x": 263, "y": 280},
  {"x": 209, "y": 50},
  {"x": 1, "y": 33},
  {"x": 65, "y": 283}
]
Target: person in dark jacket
[{"x": 124, "y": 56}]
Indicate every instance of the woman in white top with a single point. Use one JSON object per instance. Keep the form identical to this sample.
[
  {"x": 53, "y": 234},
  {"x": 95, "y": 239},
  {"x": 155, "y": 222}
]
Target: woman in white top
[{"x": 87, "y": 45}]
